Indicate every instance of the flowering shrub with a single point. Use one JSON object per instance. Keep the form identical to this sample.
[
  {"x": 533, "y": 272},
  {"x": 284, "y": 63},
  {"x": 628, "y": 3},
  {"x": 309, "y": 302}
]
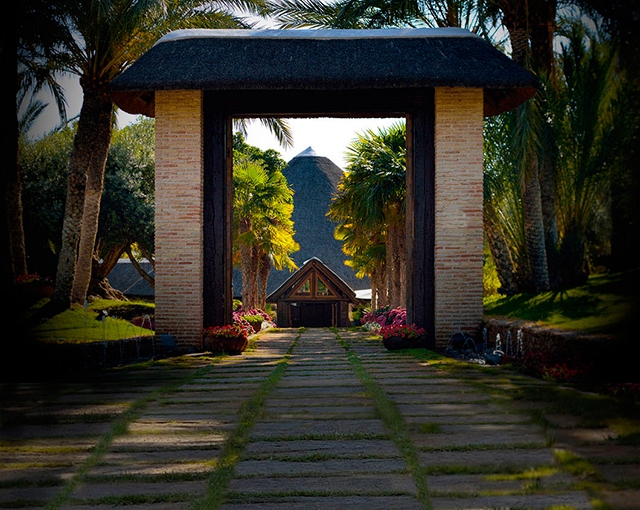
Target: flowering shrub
[
  {"x": 32, "y": 277},
  {"x": 402, "y": 331},
  {"x": 544, "y": 366},
  {"x": 386, "y": 316},
  {"x": 227, "y": 331},
  {"x": 252, "y": 318}
]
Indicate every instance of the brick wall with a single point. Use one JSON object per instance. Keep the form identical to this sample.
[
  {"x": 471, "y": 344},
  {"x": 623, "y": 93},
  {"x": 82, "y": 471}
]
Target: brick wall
[
  {"x": 458, "y": 250},
  {"x": 178, "y": 216}
]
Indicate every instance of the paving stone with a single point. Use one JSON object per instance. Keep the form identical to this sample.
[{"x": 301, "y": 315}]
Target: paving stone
[
  {"x": 350, "y": 448},
  {"x": 498, "y": 458},
  {"x": 185, "y": 426},
  {"x": 10, "y": 494},
  {"x": 320, "y": 467},
  {"x": 479, "y": 434},
  {"x": 101, "y": 490},
  {"x": 320, "y": 400},
  {"x": 466, "y": 419},
  {"x": 137, "y": 468},
  {"x": 143, "y": 506},
  {"x": 320, "y": 382},
  {"x": 574, "y": 500},
  {"x": 359, "y": 484},
  {"x": 54, "y": 431},
  {"x": 162, "y": 456},
  {"x": 459, "y": 409},
  {"x": 438, "y": 398},
  {"x": 163, "y": 441},
  {"x": 320, "y": 427},
  {"x": 322, "y": 412},
  {"x": 329, "y": 503}
]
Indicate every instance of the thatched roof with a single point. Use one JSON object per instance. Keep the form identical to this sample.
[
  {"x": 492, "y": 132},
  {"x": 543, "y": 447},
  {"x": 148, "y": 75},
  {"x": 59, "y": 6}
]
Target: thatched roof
[
  {"x": 266, "y": 62},
  {"x": 314, "y": 180}
]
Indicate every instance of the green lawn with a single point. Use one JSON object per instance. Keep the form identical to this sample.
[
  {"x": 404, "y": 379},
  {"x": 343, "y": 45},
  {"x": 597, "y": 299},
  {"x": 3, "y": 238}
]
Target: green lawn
[
  {"x": 83, "y": 325},
  {"x": 606, "y": 304}
]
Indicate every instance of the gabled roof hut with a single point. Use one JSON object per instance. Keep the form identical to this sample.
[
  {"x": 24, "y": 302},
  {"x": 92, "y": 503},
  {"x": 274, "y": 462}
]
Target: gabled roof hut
[{"x": 313, "y": 296}]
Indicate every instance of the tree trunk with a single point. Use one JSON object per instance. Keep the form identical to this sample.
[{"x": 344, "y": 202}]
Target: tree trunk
[
  {"x": 145, "y": 276},
  {"x": 392, "y": 267},
  {"x": 9, "y": 66},
  {"x": 534, "y": 230},
  {"x": 263, "y": 278},
  {"x": 100, "y": 286},
  {"x": 97, "y": 109},
  {"x": 16, "y": 229},
  {"x": 501, "y": 257},
  {"x": 543, "y": 15}
]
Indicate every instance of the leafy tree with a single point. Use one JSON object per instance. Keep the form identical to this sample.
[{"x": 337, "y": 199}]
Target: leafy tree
[
  {"x": 108, "y": 35},
  {"x": 126, "y": 218},
  {"x": 44, "y": 164},
  {"x": 23, "y": 48},
  {"x": 127, "y": 212},
  {"x": 370, "y": 204},
  {"x": 583, "y": 126},
  {"x": 263, "y": 230}
]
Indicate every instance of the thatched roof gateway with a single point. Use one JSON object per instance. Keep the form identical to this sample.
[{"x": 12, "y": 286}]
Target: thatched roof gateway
[{"x": 252, "y": 62}]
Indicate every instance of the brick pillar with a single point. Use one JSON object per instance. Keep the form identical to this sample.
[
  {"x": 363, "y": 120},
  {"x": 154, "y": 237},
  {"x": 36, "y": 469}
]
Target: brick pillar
[
  {"x": 458, "y": 210},
  {"x": 179, "y": 216}
]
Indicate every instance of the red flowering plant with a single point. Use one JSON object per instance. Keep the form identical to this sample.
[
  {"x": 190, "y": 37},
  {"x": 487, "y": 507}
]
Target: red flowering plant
[
  {"x": 402, "y": 331},
  {"x": 227, "y": 331}
]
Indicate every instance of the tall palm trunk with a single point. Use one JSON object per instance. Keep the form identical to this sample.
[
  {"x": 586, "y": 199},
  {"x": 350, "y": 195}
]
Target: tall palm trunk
[
  {"x": 534, "y": 229},
  {"x": 9, "y": 119},
  {"x": 518, "y": 22},
  {"x": 263, "y": 276},
  {"x": 97, "y": 110},
  {"x": 501, "y": 257}
]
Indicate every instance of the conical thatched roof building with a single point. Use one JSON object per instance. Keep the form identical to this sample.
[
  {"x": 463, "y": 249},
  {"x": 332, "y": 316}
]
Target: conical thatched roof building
[{"x": 314, "y": 180}]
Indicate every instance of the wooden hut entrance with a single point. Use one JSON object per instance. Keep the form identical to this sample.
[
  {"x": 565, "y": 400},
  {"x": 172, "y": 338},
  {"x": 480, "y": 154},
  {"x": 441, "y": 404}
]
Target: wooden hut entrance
[
  {"x": 194, "y": 82},
  {"x": 314, "y": 296}
]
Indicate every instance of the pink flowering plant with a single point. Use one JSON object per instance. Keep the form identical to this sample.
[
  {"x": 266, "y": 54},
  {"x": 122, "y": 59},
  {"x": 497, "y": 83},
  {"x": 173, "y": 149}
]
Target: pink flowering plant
[
  {"x": 385, "y": 316},
  {"x": 402, "y": 331}
]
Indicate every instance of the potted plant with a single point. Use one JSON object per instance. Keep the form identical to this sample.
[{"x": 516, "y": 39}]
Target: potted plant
[
  {"x": 231, "y": 338},
  {"x": 402, "y": 336}
]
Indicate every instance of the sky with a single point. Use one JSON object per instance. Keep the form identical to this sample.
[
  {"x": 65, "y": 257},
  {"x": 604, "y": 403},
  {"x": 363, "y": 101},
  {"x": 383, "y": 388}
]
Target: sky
[{"x": 328, "y": 137}]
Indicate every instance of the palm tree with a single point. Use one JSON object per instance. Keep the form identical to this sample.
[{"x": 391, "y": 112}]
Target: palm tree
[
  {"x": 583, "y": 121},
  {"x": 262, "y": 207},
  {"x": 108, "y": 35},
  {"x": 372, "y": 194},
  {"x": 25, "y": 47}
]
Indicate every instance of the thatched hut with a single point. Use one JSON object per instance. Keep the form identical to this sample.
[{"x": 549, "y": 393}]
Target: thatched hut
[{"x": 314, "y": 180}]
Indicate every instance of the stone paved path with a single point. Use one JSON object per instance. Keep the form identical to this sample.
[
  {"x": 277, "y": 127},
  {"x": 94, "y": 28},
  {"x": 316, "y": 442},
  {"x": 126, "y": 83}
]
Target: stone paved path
[{"x": 316, "y": 420}]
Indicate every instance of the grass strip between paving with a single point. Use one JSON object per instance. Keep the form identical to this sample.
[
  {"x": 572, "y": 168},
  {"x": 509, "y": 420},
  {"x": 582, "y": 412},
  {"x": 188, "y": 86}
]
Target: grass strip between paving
[
  {"x": 234, "y": 446},
  {"x": 393, "y": 421},
  {"x": 119, "y": 428}
]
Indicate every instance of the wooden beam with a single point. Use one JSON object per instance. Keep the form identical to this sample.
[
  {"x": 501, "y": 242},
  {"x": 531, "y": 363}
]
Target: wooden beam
[
  {"x": 421, "y": 224},
  {"x": 217, "y": 214}
]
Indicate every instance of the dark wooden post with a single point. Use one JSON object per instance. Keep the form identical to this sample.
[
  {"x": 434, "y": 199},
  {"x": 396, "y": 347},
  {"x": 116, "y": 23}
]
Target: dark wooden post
[
  {"x": 217, "y": 215},
  {"x": 421, "y": 216}
]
